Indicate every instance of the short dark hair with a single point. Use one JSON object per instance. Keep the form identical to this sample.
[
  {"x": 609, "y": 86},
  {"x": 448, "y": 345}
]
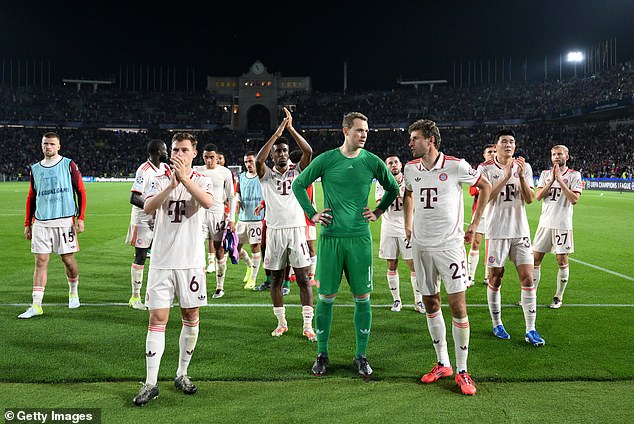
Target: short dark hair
[
  {"x": 51, "y": 134},
  {"x": 295, "y": 156},
  {"x": 180, "y": 136},
  {"x": 210, "y": 147},
  {"x": 280, "y": 140},
  {"x": 503, "y": 132},
  {"x": 153, "y": 146},
  {"x": 391, "y": 154},
  {"x": 428, "y": 128},
  {"x": 487, "y": 146},
  {"x": 250, "y": 153}
]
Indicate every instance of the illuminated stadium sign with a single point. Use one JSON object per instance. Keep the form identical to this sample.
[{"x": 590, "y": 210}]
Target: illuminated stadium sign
[{"x": 609, "y": 184}]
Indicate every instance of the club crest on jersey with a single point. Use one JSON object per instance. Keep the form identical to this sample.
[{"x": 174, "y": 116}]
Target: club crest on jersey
[
  {"x": 442, "y": 176},
  {"x": 516, "y": 175},
  {"x": 139, "y": 241},
  {"x": 566, "y": 180},
  {"x": 291, "y": 174},
  {"x": 491, "y": 259}
]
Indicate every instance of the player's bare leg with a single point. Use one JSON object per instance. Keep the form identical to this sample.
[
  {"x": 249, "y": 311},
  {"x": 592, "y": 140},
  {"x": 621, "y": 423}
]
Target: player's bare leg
[
  {"x": 277, "y": 279},
  {"x": 306, "y": 297},
  {"x": 72, "y": 276},
  {"x": 40, "y": 276}
]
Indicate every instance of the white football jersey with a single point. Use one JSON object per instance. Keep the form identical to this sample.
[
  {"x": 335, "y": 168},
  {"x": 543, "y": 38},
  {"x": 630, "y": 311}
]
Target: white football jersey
[
  {"x": 392, "y": 220},
  {"x": 506, "y": 215},
  {"x": 178, "y": 239},
  {"x": 282, "y": 209},
  {"x": 142, "y": 179},
  {"x": 556, "y": 208},
  {"x": 438, "y": 204},
  {"x": 222, "y": 181}
]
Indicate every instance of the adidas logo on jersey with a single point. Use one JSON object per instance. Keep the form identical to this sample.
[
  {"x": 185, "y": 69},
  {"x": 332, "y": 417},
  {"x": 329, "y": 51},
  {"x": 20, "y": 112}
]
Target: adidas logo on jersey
[
  {"x": 189, "y": 352},
  {"x": 150, "y": 354},
  {"x": 202, "y": 297},
  {"x": 464, "y": 347},
  {"x": 365, "y": 331},
  {"x": 436, "y": 341}
]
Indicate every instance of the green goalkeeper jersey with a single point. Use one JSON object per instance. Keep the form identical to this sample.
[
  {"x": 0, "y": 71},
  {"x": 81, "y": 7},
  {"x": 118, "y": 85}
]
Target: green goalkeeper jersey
[{"x": 346, "y": 184}]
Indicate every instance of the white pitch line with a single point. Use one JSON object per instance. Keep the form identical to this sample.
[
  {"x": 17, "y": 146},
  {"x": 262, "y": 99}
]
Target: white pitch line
[
  {"x": 601, "y": 269},
  {"x": 264, "y": 305}
]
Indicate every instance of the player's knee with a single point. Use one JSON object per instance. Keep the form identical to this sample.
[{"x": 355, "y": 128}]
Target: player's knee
[
  {"x": 562, "y": 261},
  {"x": 362, "y": 299},
  {"x": 327, "y": 299},
  {"x": 68, "y": 260},
  {"x": 41, "y": 260}
]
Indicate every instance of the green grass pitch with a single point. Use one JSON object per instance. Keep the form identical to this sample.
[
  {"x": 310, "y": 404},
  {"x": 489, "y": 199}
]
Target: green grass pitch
[{"x": 92, "y": 357}]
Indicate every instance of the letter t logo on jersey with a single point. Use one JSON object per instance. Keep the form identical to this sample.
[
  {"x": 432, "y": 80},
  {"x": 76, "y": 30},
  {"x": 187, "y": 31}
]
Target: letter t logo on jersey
[
  {"x": 176, "y": 208},
  {"x": 427, "y": 196},
  {"x": 555, "y": 193}
]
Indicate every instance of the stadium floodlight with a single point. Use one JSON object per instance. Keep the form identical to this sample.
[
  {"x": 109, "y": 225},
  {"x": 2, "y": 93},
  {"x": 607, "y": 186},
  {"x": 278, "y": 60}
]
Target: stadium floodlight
[{"x": 575, "y": 57}]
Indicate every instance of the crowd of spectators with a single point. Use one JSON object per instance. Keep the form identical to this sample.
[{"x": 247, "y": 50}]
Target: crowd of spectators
[
  {"x": 597, "y": 149},
  {"x": 517, "y": 100},
  {"x": 111, "y": 106},
  {"x": 100, "y": 153},
  {"x": 444, "y": 103}
]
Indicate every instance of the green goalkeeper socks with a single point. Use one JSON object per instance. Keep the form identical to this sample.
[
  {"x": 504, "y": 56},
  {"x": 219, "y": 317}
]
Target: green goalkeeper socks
[{"x": 362, "y": 323}]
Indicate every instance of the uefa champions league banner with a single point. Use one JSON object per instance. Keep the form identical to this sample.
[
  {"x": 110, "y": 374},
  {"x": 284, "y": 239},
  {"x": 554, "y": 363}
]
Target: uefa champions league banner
[{"x": 609, "y": 184}]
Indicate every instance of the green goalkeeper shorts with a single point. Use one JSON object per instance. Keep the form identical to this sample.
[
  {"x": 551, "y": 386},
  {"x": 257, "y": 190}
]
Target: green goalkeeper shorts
[{"x": 349, "y": 255}]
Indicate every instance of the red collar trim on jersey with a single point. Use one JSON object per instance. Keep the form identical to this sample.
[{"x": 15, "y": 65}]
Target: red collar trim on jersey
[
  {"x": 439, "y": 163},
  {"x": 498, "y": 164}
]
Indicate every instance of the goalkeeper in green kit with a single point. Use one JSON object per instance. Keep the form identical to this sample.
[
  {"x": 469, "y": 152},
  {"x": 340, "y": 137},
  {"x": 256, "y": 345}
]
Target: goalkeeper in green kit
[{"x": 345, "y": 242}]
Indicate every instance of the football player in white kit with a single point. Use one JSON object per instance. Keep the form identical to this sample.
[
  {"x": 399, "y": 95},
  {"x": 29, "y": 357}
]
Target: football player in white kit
[
  {"x": 473, "y": 258},
  {"x": 141, "y": 228},
  {"x": 216, "y": 220},
  {"x": 559, "y": 190},
  {"x": 393, "y": 240},
  {"x": 285, "y": 224},
  {"x": 178, "y": 262},
  {"x": 434, "y": 222},
  {"x": 508, "y": 232}
]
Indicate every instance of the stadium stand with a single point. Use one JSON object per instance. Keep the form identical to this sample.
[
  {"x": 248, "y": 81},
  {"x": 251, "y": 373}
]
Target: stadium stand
[{"x": 106, "y": 131}]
